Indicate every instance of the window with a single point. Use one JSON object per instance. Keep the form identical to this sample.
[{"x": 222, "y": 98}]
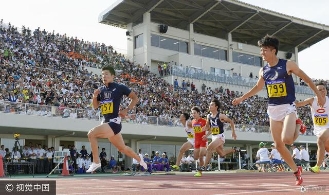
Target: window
[
  {"x": 247, "y": 59},
  {"x": 169, "y": 43},
  {"x": 138, "y": 41},
  {"x": 210, "y": 52}
]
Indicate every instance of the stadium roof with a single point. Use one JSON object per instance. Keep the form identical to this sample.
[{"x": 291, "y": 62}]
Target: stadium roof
[{"x": 247, "y": 23}]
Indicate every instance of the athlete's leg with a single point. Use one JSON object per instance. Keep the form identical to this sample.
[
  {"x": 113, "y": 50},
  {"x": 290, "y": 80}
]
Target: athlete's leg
[
  {"x": 202, "y": 153},
  {"x": 211, "y": 148},
  {"x": 196, "y": 153},
  {"x": 185, "y": 147},
  {"x": 118, "y": 142},
  {"x": 101, "y": 131},
  {"x": 220, "y": 150},
  {"x": 289, "y": 132},
  {"x": 278, "y": 137},
  {"x": 322, "y": 140}
]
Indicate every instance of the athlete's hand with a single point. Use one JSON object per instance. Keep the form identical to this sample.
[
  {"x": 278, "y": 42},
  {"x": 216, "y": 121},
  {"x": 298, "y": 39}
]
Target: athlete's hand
[
  {"x": 237, "y": 101},
  {"x": 321, "y": 101},
  {"x": 234, "y": 135},
  {"x": 96, "y": 92},
  {"x": 123, "y": 113},
  {"x": 204, "y": 128},
  {"x": 204, "y": 137}
]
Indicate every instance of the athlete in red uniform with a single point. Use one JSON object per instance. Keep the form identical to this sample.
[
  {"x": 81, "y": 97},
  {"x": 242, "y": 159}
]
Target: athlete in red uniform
[{"x": 200, "y": 144}]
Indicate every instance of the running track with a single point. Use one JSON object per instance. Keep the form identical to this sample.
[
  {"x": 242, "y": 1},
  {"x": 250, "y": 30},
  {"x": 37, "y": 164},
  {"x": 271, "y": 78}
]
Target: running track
[{"x": 187, "y": 184}]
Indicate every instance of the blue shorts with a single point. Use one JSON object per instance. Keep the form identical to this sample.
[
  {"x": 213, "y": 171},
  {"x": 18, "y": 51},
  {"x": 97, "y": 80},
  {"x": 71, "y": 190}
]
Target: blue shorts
[
  {"x": 116, "y": 128},
  {"x": 276, "y": 161}
]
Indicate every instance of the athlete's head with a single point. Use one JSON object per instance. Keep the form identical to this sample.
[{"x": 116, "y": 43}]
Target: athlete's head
[
  {"x": 108, "y": 74},
  {"x": 214, "y": 105},
  {"x": 269, "y": 47},
  {"x": 195, "y": 112},
  {"x": 184, "y": 117},
  {"x": 321, "y": 86}
]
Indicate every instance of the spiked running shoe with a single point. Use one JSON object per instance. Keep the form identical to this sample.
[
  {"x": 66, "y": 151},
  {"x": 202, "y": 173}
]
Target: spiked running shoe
[
  {"x": 298, "y": 173},
  {"x": 315, "y": 169},
  {"x": 302, "y": 129},
  {"x": 93, "y": 167},
  {"x": 175, "y": 167},
  {"x": 198, "y": 174}
]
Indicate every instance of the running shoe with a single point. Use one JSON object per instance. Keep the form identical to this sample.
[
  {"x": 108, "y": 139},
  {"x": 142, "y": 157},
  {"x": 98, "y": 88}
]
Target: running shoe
[
  {"x": 175, "y": 167},
  {"x": 93, "y": 167},
  {"x": 298, "y": 175},
  {"x": 198, "y": 174},
  {"x": 302, "y": 129},
  {"x": 315, "y": 169}
]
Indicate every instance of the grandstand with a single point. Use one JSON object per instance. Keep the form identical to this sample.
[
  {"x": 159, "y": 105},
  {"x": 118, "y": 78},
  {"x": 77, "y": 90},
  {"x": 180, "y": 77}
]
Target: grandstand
[{"x": 47, "y": 82}]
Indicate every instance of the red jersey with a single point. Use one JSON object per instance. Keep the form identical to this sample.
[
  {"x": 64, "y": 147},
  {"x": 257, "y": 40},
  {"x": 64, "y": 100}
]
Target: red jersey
[{"x": 197, "y": 127}]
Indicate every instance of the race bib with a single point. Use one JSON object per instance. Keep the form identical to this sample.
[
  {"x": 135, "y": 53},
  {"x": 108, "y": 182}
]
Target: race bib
[
  {"x": 320, "y": 119},
  {"x": 215, "y": 130},
  {"x": 107, "y": 108},
  {"x": 276, "y": 88},
  {"x": 197, "y": 129},
  {"x": 190, "y": 135}
]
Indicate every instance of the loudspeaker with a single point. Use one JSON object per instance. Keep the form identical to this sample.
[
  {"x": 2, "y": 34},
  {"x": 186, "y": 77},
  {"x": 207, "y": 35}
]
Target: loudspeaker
[
  {"x": 288, "y": 55},
  {"x": 163, "y": 28},
  {"x": 127, "y": 33}
]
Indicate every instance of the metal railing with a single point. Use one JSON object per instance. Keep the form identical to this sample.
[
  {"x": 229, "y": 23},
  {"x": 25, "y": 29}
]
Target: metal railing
[{"x": 199, "y": 74}]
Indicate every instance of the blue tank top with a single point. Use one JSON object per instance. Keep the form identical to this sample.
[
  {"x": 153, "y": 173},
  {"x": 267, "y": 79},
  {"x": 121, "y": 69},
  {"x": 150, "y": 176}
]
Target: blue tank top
[
  {"x": 110, "y": 99},
  {"x": 216, "y": 126},
  {"x": 280, "y": 86}
]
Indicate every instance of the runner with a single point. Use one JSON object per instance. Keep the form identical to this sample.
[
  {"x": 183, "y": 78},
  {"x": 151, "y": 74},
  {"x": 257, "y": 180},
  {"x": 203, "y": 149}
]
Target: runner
[
  {"x": 321, "y": 124},
  {"x": 280, "y": 86},
  {"x": 200, "y": 144},
  {"x": 108, "y": 97},
  {"x": 215, "y": 125},
  {"x": 190, "y": 138}
]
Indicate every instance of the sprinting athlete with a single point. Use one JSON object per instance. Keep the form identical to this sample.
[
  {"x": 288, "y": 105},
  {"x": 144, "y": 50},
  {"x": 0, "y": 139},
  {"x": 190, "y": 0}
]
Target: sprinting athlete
[
  {"x": 200, "y": 144},
  {"x": 215, "y": 125},
  {"x": 108, "y": 97},
  {"x": 190, "y": 138},
  {"x": 320, "y": 122},
  {"x": 277, "y": 76}
]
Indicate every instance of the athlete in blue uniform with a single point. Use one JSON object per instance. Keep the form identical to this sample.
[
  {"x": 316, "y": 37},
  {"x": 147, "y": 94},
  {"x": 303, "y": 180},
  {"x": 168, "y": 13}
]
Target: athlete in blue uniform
[
  {"x": 215, "y": 127},
  {"x": 277, "y": 76},
  {"x": 108, "y": 97}
]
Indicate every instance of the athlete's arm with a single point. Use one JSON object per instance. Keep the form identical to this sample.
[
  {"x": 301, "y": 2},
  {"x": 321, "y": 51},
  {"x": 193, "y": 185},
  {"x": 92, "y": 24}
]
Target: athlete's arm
[
  {"x": 258, "y": 87},
  {"x": 95, "y": 100},
  {"x": 224, "y": 118},
  {"x": 207, "y": 127},
  {"x": 293, "y": 68},
  {"x": 306, "y": 102},
  {"x": 134, "y": 100}
]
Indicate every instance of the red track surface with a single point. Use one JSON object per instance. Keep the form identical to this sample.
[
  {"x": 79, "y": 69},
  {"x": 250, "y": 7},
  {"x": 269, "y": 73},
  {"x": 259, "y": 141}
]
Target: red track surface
[{"x": 187, "y": 184}]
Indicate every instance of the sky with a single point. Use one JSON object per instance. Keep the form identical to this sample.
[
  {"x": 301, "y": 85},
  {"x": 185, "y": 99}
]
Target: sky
[{"x": 79, "y": 18}]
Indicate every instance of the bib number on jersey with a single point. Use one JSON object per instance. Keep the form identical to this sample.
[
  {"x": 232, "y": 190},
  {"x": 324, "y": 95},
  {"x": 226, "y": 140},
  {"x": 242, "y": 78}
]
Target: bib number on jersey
[
  {"x": 321, "y": 119},
  {"x": 190, "y": 135},
  {"x": 107, "y": 108},
  {"x": 215, "y": 130},
  {"x": 197, "y": 129},
  {"x": 276, "y": 89}
]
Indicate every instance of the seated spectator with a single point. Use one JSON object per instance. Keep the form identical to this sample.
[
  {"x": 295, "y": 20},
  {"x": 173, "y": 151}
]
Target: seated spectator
[
  {"x": 263, "y": 157},
  {"x": 156, "y": 165},
  {"x": 147, "y": 160},
  {"x": 164, "y": 163}
]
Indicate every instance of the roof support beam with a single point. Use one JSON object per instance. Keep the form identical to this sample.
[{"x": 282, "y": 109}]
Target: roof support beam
[
  {"x": 198, "y": 15},
  {"x": 309, "y": 38},
  {"x": 281, "y": 28},
  {"x": 234, "y": 26},
  {"x": 149, "y": 7},
  {"x": 154, "y": 6},
  {"x": 130, "y": 2}
]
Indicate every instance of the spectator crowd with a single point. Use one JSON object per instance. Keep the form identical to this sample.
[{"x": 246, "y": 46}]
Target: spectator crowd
[{"x": 44, "y": 68}]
